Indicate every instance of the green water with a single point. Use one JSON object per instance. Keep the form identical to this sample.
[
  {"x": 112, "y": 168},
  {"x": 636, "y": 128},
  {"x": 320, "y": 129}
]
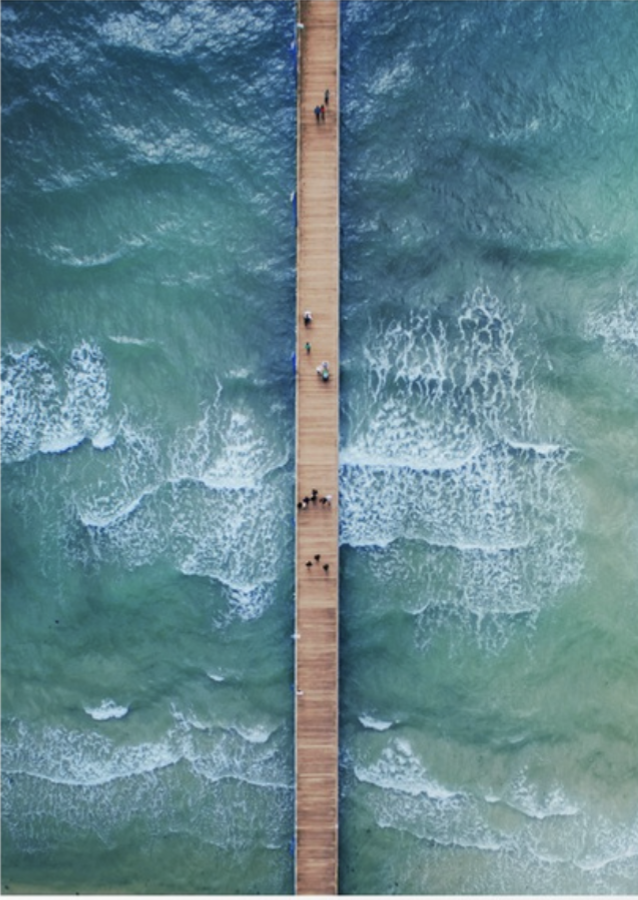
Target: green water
[{"x": 488, "y": 488}]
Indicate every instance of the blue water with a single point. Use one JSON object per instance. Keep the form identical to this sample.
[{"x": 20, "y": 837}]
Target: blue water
[
  {"x": 148, "y": 435},
  {"x": 488, "y": 448},
  {"x": 489, "y": 495}
]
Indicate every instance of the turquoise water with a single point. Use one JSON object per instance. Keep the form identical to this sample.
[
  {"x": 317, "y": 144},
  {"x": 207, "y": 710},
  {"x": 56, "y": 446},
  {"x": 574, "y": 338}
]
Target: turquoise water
[
  {"x": 489, "y": 487},
  {"x": 148, "y": 446},
  {"x": 489, "y": 495}
]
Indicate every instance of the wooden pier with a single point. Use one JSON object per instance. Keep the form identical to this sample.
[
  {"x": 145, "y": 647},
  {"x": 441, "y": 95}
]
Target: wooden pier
[{"x": 317, "y": 452}]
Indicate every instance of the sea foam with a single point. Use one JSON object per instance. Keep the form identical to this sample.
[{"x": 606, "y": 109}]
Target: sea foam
[
  {"x": 89, "y": 758},
  {"x": 51, "y": 409},
  {"x": 448, "y": 453},
  {"x": 108, "y": 709},
  {"x": 520, "y": 823},
  {"x": 203, "y": 498},
  {"x": 617, "y": 327},
  {"x": 399, "y": 769},
  {"x": 375, "y": 724}
]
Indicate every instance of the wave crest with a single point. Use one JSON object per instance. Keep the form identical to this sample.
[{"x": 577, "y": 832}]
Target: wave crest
[
  {"x": 50, "y": 409},
  {"x": 449, "y": 455}
]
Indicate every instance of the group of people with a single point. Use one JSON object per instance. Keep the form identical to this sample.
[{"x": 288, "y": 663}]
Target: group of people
[
  {"x": 320, "y": 111},
  {"x": 317, "y": 558},
  {"x": 315, "y": 498},
  {"x": 304, "y": 504}
]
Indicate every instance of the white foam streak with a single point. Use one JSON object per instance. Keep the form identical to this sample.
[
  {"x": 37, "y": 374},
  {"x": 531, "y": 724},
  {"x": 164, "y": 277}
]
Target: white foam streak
[
  {"x": 254, "y": 734},
  {"x": 60, "y": 756},
  {"x": 538, "y": 449},
  {"x": 528, "y": 800},
  {"x": 595, "y": 863},
  {"x": 125, "y": 339},
  {"x": 481, "y": 548},
  {"x": 427, "y": 460},
  {"x": 60, "y": 442},
  {"x": 114, "y": 512},
  {"x": 81, "y": 759},
  {"x": 399, "y": 769},
  {"x": 104, "y": 439},
  {"x": 108, "y": 709},
  {"x": 375, "y": 724}
]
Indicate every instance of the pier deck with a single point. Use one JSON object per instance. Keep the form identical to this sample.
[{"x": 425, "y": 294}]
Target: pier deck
[{"x": 317, "y": 459}]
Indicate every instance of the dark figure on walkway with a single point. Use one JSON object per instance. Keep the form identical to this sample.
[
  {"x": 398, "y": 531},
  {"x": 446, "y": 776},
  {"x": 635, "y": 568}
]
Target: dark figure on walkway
[
  {"x": 309, "y": 564},
  {"x": 323, "y": 112},
  {"x": 317, "y": 112},
  {"x": 308, "y": 347},
  {"x": 326, "y": 97},
  {"x": 315, "y": 494},
  {"x": 307, "y": 317},
  {"x": 326, "y": 566},
  {"x": 317, "y": 556}
]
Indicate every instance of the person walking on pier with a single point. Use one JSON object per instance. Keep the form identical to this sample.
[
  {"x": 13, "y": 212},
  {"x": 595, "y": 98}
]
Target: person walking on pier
[
  {"x": 323, "y": 113},
  {"x": 326, "y": 97},
  {"x": 317, "y": 112},
  {"x": 307, "y": 317}
]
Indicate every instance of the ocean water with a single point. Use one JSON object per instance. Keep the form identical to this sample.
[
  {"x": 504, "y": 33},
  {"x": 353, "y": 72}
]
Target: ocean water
[
  {"x": 489, "y": 487},
  {"x": 489, "y": 494},
  {"x": 148, "y": 279}
]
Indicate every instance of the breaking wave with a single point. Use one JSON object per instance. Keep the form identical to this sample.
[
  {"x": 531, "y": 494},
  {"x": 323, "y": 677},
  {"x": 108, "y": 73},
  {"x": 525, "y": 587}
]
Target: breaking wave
[
  {"x": 86, "y": 780},
  {"x": 50, "y": 409},
  {"x": 449, "y": 455},
  {"x": 522, "y": 826},
  {"x": 203, "y": 498},
  {"x": 618, "y": 328}
]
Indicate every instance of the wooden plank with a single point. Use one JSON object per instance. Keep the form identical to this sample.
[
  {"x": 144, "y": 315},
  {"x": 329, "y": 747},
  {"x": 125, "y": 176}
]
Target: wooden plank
[{"x": 317, "y": 452}]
